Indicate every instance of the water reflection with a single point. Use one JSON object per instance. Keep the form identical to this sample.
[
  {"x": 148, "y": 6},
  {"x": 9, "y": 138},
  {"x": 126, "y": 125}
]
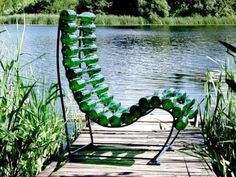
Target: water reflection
[{"x": 138, "y": 60}]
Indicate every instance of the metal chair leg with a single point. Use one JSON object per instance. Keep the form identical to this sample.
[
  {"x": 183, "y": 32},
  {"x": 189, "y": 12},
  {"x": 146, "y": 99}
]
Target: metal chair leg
[
  {"x": 61, "y": 94},
  {"x": 165, "y": 147}
]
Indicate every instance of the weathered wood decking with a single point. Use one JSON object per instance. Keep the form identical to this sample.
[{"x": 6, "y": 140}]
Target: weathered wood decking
[{"x": 115, "y": 158}]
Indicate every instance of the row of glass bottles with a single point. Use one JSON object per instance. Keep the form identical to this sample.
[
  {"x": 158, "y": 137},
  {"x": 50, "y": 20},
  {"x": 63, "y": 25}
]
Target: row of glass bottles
[{"x": 104, "y": 110}]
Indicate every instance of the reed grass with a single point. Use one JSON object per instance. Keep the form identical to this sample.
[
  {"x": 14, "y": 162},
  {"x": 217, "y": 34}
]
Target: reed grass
[
  {"x": 46, "y": 19},
  {"x": 197, "y": 21},
  {"x": 31, "y": 129},
  {"x": 218, "y": 121},
  {"x": 113, "y": 20}
]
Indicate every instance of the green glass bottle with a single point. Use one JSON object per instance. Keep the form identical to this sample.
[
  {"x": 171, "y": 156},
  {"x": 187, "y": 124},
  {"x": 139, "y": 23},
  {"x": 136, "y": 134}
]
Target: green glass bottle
[
  {"x": 71, "y": 62},
  {"x": 181, "y": 96},
  {"x": 168, "y": 103},
  {"x": 188, "y": 104},
  {"x": 181, "y": 123},
  {"x": 68, "y": 15},
  {"x": 106, "y": 99},
  {"x": 159, "y": 94},
  {"x": 68, "y": 27},
  {"x": 115, "y": 120},
  {"x": 192, "y": 113},
  {"x": 178, "y": 110},
  {"x": 101, "y": 89},
  {"x": 104, "y": 119},
  {"x": 114, "y": 106},
  {"x": 82, "y": 95},
  {"x": 86, "y": 17},
  {"x": 87, "y": 28},
  {"x": 76, "y": 85},
  {"x": 74, "y": 73},
  {"x": 170, "y": 92},
  {"x": 69, "y": 51},
  {"x": 93, "y": 69},
  {"x": 69, "y": 39},
  {"x": 96, "y": 80},
  {"x": 135, "y": 111},
  {"x": 144, "y": 102},
  {"x": 96, "y": 112},
  {"x": 155, "y": 101},
  {"x": 88, "y": 39},
  {"x": 127, "y": 118},
  {"x": 88, "y": 49},
  {"x": 90, "y": 59},
  {"x": 87, "y": 105}
]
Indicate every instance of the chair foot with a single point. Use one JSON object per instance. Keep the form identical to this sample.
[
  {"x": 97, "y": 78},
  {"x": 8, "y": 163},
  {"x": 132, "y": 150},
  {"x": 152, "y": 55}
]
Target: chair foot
[
  {"x": 169, "y": 148},
  {"x": 154, "y": 162}
]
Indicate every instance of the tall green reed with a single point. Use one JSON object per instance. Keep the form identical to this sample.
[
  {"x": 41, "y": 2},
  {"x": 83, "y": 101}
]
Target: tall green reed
[
  {"x": 30, "y": 126},
  {"x": 218, "y": 120}
]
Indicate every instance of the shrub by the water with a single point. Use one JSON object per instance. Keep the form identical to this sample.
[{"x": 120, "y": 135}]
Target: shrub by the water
[
  {"x": 30, "y": 127},
  {"x": 218, "y": 122}
]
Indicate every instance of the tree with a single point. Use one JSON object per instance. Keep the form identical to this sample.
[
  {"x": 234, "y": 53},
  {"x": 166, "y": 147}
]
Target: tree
[
  {"x": 186, "y": 7},
  {"x": 58, "y": 5},
  {"x": 153, "y": 8},
  {"x": 202, "y": 7},
  {"x": 124, "y": 7},
  {"x": 95, "y": 6},
  {"x": 4, "y": 5}
]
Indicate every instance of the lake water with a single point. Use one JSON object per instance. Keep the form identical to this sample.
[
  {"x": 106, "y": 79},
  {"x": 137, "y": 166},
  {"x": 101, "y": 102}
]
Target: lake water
[{"x": 136, "y": 61}]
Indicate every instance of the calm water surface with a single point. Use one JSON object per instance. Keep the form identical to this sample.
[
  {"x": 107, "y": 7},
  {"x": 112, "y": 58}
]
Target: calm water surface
[{"x": 135, "y": 61}]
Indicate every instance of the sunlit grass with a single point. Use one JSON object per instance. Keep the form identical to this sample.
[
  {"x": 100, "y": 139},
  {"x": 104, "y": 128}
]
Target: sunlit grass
[
  {"x": 113, "y": 20},
  {"x": 30, "y": 19},
  {"x": 31, "y": 129}
]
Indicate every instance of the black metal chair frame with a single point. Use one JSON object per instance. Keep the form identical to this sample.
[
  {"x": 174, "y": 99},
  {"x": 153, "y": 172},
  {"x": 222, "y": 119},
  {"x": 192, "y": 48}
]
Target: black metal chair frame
[{"x": 167, "y": 146}]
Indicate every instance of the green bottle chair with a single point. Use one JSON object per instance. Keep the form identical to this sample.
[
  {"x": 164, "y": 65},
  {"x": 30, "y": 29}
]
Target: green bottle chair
[{"x": 91, "y": 93}]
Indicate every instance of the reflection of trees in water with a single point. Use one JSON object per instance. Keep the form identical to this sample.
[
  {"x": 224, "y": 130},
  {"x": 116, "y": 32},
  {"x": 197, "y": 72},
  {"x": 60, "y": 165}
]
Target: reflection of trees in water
[{"x": 165, "y": 38}]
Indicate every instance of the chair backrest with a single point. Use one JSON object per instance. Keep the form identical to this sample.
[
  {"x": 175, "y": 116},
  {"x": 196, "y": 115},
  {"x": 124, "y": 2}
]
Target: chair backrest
[
  {"x": 83, "y": 71},
  {"x": 89, "y": 89}
]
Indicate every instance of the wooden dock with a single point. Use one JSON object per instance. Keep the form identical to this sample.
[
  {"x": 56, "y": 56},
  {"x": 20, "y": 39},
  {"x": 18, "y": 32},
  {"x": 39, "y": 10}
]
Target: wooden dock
[{"x": 126, "y": 151}]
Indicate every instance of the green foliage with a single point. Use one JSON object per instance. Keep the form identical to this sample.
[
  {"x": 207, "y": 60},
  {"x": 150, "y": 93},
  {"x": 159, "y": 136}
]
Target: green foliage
[
  {"x": 202, "y": 7},
  {"x": 30, "y": 19},
  {"x": 124, "y": 7},
  {"x": 153, "y": 8},
  {"x": 219, "y": 120},
  {"x": 36, "y": 7},
  {"x": 58, "y": 5},
  {"x": 113, "y": 20},
  {"x": 30, "y": 127},
  {"x": 149, "y": 9},
  {"x": 94, "y": 6},
  {"x": 10, "y": 6}
]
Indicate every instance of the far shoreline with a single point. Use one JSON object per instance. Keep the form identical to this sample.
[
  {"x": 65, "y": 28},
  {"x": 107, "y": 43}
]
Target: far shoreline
[{"x": 116, "y": 21}]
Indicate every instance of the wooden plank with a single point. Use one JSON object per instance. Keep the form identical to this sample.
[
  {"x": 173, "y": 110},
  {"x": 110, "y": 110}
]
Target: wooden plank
[
  {"x": 111, "y": 158},
  {"x": 48, "y": 170},
  {"x": 177, "y": 169}
]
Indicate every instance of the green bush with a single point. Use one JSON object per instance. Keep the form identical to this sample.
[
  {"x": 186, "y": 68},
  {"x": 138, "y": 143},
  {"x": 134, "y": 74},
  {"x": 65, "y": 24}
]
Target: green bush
[
  {"x": 219, "y": 120},
  {"x": 30, "y": 127}
]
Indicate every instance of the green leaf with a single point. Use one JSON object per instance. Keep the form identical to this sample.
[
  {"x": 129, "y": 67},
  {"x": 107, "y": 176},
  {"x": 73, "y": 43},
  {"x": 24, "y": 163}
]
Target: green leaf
[{"x": 15, "y": 112}]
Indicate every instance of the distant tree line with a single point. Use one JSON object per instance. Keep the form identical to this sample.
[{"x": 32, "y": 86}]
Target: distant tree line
[{"x": 149, "y": 9}]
